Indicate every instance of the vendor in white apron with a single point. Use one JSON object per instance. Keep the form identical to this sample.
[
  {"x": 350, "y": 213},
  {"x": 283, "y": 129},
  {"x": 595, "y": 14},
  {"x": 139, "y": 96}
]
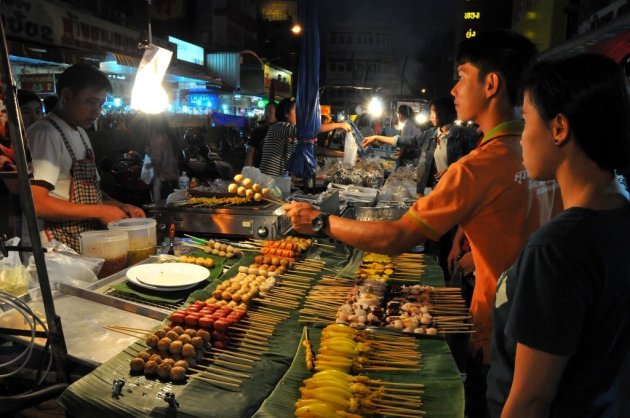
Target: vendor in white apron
[{"x": 65, "y": 185}]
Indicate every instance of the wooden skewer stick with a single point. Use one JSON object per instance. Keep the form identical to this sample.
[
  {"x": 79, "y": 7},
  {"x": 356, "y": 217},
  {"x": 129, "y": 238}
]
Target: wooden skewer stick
[
  {"x": 261, "y": 311},
  {"x": 228, "y": 363},
  {"x": 413, "y": 391},
  {"x": 221, "y": 370},
  {"x": 250, "y": 342},
  {"x": 259, "y": 317},
  {"x": 254, "y": 339},
  {"x": 272, "y": 311},
  {"x": 231, "y": 379},
  {"x": 385, "y": 382},
  {"x": 195, "y": 238},
  {"x": 324, "y": 245},
  {"x": 226, "y": 354},
  {"x": 213, "y": 381},
  {"x": 129, "y": 333},
  {"x": 258, "y": 325},
  {"x": 312, "y": 320},
  {"x": 186, "y": 244},
  {"x": 251, "y": 331},
  {"x": 416, "y": 399},
  {"x": 393, "y": 406},
  {"x": 385, "y": 401},
  {"x": 247, "y": 349},
  {"x": 312, "y": 261},
  {"x": 148, "y": 331},
  {"x": 383, "y": 368},
  {"x": 245, "y": 356}
]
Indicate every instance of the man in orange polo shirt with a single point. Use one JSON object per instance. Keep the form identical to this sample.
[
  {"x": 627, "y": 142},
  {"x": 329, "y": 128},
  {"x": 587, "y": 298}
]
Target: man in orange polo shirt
[{"x": 487, "y": 192}]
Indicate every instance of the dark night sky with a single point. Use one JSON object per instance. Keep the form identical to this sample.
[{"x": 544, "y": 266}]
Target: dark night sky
[{"x": 424, "y": 30}]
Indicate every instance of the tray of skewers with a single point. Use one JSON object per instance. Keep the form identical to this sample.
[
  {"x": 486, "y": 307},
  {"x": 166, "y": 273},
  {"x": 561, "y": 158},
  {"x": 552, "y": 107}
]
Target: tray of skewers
[
  {"x": 343, "y": 372},
  {"x": 383, "y": 295}
]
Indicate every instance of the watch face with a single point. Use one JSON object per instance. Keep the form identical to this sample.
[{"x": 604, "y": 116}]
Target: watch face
[{"x": 317, "y": 224}]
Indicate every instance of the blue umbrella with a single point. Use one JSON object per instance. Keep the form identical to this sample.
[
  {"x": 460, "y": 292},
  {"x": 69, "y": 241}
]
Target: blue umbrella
[{"x": 304, "y": 161}]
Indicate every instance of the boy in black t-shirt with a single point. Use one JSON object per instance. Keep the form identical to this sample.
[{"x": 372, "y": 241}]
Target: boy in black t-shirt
[{"x": 562, "y": 312}]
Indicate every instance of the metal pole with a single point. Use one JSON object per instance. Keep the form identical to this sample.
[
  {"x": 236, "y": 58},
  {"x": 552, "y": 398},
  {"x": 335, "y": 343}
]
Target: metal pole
[{"x": 16, "y": 130}]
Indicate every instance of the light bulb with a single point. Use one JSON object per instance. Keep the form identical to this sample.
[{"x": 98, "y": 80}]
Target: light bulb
[{"x": 147, "y": 94}]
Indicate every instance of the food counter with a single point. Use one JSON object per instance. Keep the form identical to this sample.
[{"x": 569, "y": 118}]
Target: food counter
[
  {"x": 239, "y": 329},
  {"x": 262, "y": 376}
]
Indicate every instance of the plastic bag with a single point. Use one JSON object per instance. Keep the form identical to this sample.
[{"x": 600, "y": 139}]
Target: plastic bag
[
  {"x": 147, "y": 173},
  {"x": 279, "y": 186},
  {"x": 303, "y": 162},
  {"x": 66, "y": 266},
  {"x": 350, "y": 150},
  {"x": 13, "y": 276}
]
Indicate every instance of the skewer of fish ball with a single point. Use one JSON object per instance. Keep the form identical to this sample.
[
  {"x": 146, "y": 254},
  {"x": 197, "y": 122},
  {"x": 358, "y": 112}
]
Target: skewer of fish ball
[{"x": 245, "y": 187}]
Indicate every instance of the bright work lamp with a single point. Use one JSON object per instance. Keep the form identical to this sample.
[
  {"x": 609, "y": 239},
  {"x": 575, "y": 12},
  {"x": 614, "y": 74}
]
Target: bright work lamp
[{"x": 148, "y": 95}]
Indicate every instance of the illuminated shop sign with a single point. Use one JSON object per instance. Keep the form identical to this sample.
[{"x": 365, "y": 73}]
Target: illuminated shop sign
[
  {"x": 187, "y": 51},
  {"x": 208, "y": 101},
  {"x": 472, "y": 15},
  {"x": 39, "y": 83}
]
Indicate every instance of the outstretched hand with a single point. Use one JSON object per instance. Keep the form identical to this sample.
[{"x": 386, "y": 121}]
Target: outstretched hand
[
  {"x": 345, "y": 126},
  {"x": 368, "y": 140},
  {"x": 301, "y": 215}
]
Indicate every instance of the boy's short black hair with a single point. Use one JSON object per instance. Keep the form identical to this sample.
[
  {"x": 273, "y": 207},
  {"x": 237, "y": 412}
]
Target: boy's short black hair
[
  {"x": 81, "y": 76},
  {"x": 505, "y": 52},
  {"x": 590, "y": 90}
]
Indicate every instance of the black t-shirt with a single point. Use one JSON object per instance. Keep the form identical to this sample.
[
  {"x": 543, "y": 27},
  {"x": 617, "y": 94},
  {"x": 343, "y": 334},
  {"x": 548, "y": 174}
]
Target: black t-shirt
[
  {"x": 569, "y": 294},
  {"x": 257, "y": 140}
]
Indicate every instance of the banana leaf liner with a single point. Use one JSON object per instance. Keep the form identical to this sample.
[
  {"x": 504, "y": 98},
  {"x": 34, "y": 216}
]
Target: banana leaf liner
[{"x": 444, "y": 390}]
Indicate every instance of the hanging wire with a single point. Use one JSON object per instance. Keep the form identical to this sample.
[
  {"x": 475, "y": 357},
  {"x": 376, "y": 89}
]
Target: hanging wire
[
  {"x": 32, "y": 320},
  {"x": 149, "y": 17}
]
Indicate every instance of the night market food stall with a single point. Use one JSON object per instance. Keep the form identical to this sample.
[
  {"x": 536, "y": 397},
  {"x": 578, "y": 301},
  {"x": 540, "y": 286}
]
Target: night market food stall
[
  {"x": 252, "y": 342},
  {"x": 254, "y": 322}
]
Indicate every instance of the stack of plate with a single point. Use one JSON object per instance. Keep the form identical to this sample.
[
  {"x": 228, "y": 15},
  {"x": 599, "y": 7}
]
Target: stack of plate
[{"x": 167, "y": 277}]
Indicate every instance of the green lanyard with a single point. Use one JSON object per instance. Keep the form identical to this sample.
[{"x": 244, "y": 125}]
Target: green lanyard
[{"x": 512, "y": 127}]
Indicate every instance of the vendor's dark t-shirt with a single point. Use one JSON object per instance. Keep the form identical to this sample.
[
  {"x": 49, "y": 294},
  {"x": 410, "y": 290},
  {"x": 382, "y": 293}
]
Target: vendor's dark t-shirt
[{"x": 569, "y": 294}]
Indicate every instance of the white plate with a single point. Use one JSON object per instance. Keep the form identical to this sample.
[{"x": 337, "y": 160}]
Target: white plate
[{"x": 167, "y": 276}]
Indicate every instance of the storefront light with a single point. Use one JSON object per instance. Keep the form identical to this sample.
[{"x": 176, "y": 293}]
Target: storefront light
[
  {"x": 375, "y": 107},
  {"x": 421, "y": 118},
  {"x": 147, "y": 94}
]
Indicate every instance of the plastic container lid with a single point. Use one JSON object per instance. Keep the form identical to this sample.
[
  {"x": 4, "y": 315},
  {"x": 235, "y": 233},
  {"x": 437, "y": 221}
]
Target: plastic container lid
[{"x": 105, "y": 244}]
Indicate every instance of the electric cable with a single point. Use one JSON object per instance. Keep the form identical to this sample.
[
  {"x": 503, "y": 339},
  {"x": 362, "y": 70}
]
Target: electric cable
[{"x": 32, "y": 320}]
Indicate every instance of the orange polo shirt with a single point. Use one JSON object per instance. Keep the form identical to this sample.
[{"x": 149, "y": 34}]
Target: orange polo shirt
[{"x": 489, "y": 195}]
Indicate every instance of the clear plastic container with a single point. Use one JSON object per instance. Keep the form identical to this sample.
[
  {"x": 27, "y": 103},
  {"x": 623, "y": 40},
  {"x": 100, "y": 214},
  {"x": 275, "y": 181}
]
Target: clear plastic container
[
  {"x": 142, "y": 237},
  {"x": 112, "y": 246}
]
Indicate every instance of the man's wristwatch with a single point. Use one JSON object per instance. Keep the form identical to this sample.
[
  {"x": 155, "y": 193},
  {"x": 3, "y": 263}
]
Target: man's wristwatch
[{"x": 320, "y": 222}]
